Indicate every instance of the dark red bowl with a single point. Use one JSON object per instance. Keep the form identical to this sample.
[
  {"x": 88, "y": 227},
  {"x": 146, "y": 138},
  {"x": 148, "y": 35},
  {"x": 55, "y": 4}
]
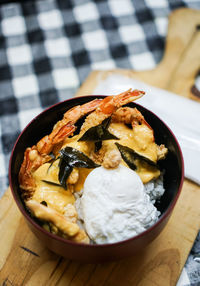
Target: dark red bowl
[{"x": 172, "y": 166}]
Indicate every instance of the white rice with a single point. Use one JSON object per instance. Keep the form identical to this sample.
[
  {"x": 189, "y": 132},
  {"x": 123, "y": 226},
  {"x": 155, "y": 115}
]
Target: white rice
[{"x": 155, "y": 189}]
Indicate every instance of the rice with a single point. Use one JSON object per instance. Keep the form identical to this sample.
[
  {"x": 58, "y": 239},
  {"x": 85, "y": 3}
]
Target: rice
[{"x": 155, "y": 189}]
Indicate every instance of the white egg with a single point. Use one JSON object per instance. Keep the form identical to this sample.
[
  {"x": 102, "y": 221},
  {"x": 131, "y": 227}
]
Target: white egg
[{"x": 114, "y": 205}]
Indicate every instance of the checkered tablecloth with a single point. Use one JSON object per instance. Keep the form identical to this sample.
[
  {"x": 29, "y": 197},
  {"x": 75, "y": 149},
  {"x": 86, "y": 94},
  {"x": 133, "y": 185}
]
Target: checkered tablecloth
[{"x": 48, "y": 48}]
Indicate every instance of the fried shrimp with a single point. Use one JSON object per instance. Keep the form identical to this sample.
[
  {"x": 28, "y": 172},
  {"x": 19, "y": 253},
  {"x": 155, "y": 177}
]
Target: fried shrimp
[
  {"x": 37, "y": 155},
  {"x": 108, "y": 106}
]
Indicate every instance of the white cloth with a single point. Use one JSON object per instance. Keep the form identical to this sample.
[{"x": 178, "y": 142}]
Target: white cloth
[{"x": 182, "y": 115}]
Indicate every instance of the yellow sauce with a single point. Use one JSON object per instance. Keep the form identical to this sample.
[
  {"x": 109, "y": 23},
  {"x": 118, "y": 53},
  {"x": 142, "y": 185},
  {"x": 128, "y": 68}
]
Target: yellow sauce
[
  {"x": 86, "y": 148},
  {"x": 140, "y": 139},
  {"x": 83, "y": 173},
  {"x": 82, "y": 146},
  {"x": 147, "y": 172},
  {"x": 55, "y": 196}
]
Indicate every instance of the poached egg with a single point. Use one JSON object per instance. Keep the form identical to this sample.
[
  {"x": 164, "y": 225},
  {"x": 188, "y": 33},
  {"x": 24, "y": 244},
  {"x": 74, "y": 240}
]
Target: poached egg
[{"x": 114, "y": 205}]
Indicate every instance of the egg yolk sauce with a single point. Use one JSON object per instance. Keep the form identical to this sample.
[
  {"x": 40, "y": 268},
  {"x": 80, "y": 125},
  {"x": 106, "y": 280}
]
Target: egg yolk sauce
[{"x": 139, "y": 139}]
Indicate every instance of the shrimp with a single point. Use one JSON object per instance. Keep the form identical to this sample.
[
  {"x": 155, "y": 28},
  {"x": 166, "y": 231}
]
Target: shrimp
[
  {"x": 38, "y": 154},
  {"x": 32, "y": 161},
  {"x": 65, "y": 127},
  {"x": 63, "y": 223},
  {"x": 108, "y": 106},
  {"x": 48, "y": 214},
  {"x": 134, "y": 117},
  {"x": 143, "y": 134},
  {"x": 129, "y": 115}
]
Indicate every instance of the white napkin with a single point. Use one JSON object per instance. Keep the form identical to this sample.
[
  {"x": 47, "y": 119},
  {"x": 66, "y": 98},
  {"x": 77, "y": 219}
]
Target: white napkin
[{"x": 182, "y": 115}]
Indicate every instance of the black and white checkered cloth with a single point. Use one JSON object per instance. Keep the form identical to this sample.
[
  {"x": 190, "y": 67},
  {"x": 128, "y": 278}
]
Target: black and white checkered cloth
[{"x": 48, "y": 48}]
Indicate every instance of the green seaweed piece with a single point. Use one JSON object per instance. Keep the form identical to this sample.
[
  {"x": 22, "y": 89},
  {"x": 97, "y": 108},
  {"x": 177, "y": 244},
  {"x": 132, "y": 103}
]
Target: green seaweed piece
[
  {"x": 52, "y": 156},
  {"x": 44, "y": 203},
  {"x": 51, "y": 183},
  {"x": 70, "y": 158},
  {"x": 51, "y": 163},
  {"x": 99, "y": 132},
  {"x": 76, "y": 158},
  {"x": 129, "y": 155},
  {"x": 97, "y": 146},
  {"x": 64, "y": 172}
]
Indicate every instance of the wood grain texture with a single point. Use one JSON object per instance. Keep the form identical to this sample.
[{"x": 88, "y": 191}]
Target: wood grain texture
[{"x": 25, "y": 261}]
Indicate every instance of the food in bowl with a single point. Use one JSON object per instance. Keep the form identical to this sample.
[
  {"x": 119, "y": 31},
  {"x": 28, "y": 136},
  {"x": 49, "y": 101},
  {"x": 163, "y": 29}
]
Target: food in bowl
[{"x": 95, "y": 177}]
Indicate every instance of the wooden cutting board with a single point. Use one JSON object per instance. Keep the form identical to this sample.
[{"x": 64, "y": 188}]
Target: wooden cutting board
[{"x": 25, "y": 261}]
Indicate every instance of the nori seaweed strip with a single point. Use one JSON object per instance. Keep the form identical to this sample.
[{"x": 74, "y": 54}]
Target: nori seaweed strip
[
  {"x": 51, "y": 163},
  {"x": 98, "y": 133},
  {"x": 76, "y": 158},
  {"x": 97, "y": 146},
  {"x": 52, "y": 156},
  {"x": 44, "y": 203},
  {"x": 64, "y": 172},
  {"x": 126, "y": 155},
  {"x": 70, "y": 158},
  {"x": 51, "y": 183},
  {"x": 129, "y": 155},
  {"x": 106, "y": 122}
]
